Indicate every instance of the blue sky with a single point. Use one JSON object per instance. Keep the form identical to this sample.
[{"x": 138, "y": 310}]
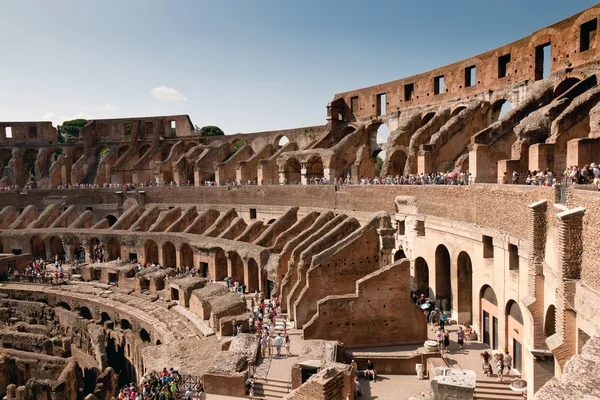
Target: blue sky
[{"x": 245, "y": 66}]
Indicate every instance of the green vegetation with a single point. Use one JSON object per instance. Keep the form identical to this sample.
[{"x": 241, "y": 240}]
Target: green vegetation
[
  {"x": 104, "y": 152},
  {"x": 379, "y": 165},
  {"x": 71, "y": 129},
  {"x": 58, "y": 153},
  {"x": 128, "y": 128},
  {"x": 237, "y": 146},
  {"x": 210, "y": 130}
]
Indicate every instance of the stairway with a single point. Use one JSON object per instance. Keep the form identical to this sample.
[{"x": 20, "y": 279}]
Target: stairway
[
  {"x": 271, "y": 389},
  {"x": 490, "y": 388}
]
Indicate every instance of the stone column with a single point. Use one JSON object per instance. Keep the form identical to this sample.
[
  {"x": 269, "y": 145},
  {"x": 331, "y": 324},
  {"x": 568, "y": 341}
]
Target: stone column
[
  {"x": 303, "y": 171},
  {"x": 569, "y": 253}
]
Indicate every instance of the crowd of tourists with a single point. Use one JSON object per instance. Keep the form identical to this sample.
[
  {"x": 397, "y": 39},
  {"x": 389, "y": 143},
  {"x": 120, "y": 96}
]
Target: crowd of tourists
[
  {"x": 37, "y": 272},
  {"x": 165, "y": 385}
]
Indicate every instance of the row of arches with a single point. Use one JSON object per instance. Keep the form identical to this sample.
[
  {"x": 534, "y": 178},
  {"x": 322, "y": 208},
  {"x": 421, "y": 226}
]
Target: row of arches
[
  {"x": 122, "y": 323},
  {"x": 54, "y": 245}
]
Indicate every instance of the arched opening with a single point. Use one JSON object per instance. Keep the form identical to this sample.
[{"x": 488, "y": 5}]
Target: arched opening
[
  {"x": 399, "y": 255},
  {"x": 145, "y": 336},
  {"x": 314, "y": 168},
  {"x": 38, "y": 248},
  {"x": 143, "y": 150},
  {"x": 5, "y": 156},
  {"x": 465, "y": 289},
  {"x": 158, "y": 342},
  {"x": 397, "y": 162},
  {"x": 56, "y": 247},
  {"x": 443, "y": 288},
  {"x": 381, "y": 139},
  {"x": 426, "y": 118},
  {"x": 64, "y": 305},
  {"x": 457, "y": 111},
  {"x": 187, "y": 256},
  {"x": 115, "y": 354},
  {"x": 111, "y": 219},
  {"x": 253, "y": 276},
  {"x": 488, "y": 303},
  {"x": 564, "y": 86},
  {"x": 104, "y": 317},
  {"x": 151, "y": 251},
  {"x": 29, "y": 159},
  {"x": 220, "y": 265},
  {"x": 550, "y": 321},
  {"x": 292, "y": 170},
  {"x": 236, "y": 146},
  {"x": 281, "y": 141},
  {"x": 85, "y": 313},
  {"x": 515, "y": 333},
  {"x": 190, "y": 177},
  {"x": 165, "y": 151},
  {"x": 237, "y": 267},
  {"x": 500, "y": 109},
  {"x": 96, "y": 249},
  {"x": 125, "y": 324},
  {"x": 169, "y": 255},
  {"x": 122, "y": 150},
  {"x": 77, "y": 153},
  {"x": 421, "y": 277},
  {"x": 114, "y": 249}
]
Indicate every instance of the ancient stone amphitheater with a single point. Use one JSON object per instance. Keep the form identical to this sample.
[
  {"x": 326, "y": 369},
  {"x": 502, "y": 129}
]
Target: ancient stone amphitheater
[{"x": 518, "y": 263}]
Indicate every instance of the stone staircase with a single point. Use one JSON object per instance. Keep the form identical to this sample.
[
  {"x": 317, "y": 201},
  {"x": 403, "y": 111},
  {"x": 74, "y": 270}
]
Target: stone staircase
[
  {"x": 490, "y": 388},
  {"x": 271, "y": 389}
]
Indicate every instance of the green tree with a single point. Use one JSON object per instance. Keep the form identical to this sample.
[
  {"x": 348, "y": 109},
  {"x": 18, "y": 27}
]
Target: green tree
[
  {"x": 379, "y": 165},
  {"x": 211, "y": 130},
  {"x": 72, "y": 128},
  {"x": 237, "y": 146}
]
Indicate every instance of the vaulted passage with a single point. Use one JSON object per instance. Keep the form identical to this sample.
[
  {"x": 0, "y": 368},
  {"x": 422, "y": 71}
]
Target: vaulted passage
[
  {"x": 169, "y": 255},
  {"x": 252, "y": 278},
  {"x": 421, "y": 277},
  {"x": 187, "y": 256},
  {"x": 151, "y": 251},
  {"x": 237, "y": 267},
  {"x": 220, "y": 265},
  {"x": 115, "y": 353},
  {"x": 465, "y": 289},
  {"x": 443, "y": 288}
]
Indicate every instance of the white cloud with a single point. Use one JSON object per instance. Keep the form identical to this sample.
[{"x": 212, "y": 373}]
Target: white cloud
[{"x": 167, "y": 93}]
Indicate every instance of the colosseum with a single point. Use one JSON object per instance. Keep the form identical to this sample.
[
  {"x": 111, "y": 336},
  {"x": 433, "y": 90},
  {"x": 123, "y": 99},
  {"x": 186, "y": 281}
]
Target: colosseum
[{"x": 291, "y": 264}]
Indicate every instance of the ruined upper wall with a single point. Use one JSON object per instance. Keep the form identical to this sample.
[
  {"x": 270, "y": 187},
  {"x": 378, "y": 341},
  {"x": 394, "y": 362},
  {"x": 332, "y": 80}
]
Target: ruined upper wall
[
  {"x": 566, "y": 42},
  {"x": 13, "y": 133},
  {"x": 121, "y": 129}
]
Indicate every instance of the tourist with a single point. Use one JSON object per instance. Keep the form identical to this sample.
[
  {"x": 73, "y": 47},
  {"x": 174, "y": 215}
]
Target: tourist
[
  {"x": 287, "y": 345},
  {"x": 507, "y": 363},
  {"x": 460, "y": 334},
  {"x": 432, "y": 320},
  {"x": 447, "y": 341},
  {"x": 189, "y": 393},
  {"x": 485, "y": 364},
  {"x": 370, "y": 371},
  {"x": 500, "y": 366},
  {"x": 199, "y": 389},
  {"x": 278, "y": 343},
  {"x": 439, "y": 335},
  {"x": 354, "y": 367},
  {"x": 442, "y": 321},
  {"x": 250, "y": 388},
  {"x": 357, "y": 389}
]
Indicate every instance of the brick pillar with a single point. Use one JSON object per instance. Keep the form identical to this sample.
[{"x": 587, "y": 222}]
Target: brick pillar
[
  {"x": 387, "y": 241},
  {"x": 569, "y": 253},
  {"x": 119, "y": 199}
]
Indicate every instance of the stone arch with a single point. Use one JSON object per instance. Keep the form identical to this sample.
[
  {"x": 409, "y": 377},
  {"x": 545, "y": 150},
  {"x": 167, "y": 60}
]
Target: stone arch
[
  {"x": 56, "y": 246},
  {"x": 443, "y": 284},
  {"x": 563, "y": 86},
  {"x": 397, "y": 162},
  {"x": 85, "y": 312},
  {"x": 158, "y": 342},
  {"x": 186, "y": 255},
  {"x": 104, "y": 317},
  {"x": 113, "y": 248},
  {"x": 550, "y": 321},
  {"x": 188, "y": 146},
  {"x": 143, "y": 150},
  {"x": 280, "y": 141},
  {"x": 125, "y": 324},
  {"x": 514, "y": 333},
  {"x": 421, "y": 277},
  {"x": 122, "y": 150},
  {"x": 220, "y": 265},
  {"x": 151, "y": 251},
  {"x": 237, "y": 267},
  {"x": 77, "y": 153},
  {"x": 499, "y": 109},
  {"x": 169, "y": 256},
  {"x": 29, "y": 159},
  {"x": 64, "y": 305},
  {"x": 165, "y": 151},
  {"x": 399, "y": 255},
  {"x": 38, "y": 248},
  {"x": 145, "y": 336},
  {"x": 427, "y": 117},
  {"x": 457, "y": 111},
  {"x": 314, "y": 168},
  {"x": 464, "y": 288},
  {"x": 111, "y": 219},
  {"x": 253, "y": 276},
  {"x": 488, "y": 304},
  {"x": 292, "y": 170}
]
